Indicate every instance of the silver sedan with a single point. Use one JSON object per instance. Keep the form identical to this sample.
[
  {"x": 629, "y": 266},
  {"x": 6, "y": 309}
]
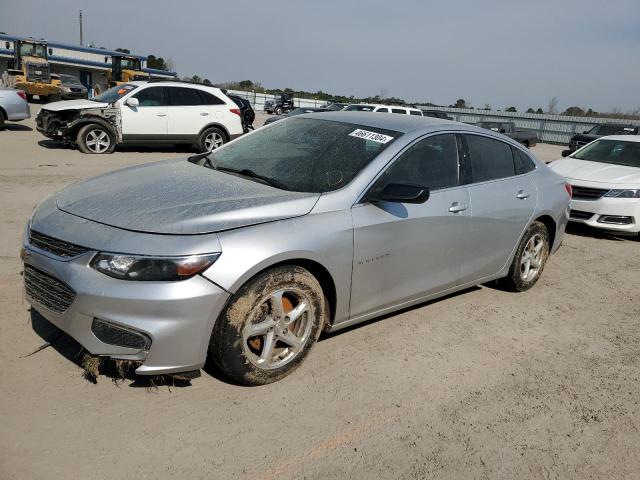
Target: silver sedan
[
  {"x": 13, "y": 105},
  {"x": 245, "y": 255}
]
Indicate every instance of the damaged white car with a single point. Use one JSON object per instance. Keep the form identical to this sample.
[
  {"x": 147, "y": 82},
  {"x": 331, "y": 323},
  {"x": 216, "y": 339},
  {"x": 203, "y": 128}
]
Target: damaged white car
[{"x": 144, "y": 113}]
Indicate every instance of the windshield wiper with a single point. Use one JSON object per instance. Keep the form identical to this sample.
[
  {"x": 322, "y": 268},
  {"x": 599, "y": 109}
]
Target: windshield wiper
[{"x": 245, "y": 172}]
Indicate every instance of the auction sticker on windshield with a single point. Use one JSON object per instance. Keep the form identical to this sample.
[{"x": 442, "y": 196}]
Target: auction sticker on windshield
[{"x": 373, "y": 136}]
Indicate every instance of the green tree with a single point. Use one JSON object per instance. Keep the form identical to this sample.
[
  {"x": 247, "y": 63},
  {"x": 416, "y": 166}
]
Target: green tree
[
  {"x": 574, "y": 112},
  {"x": 511, "y": 109},
  {"x": 157, "y": 63},
  {"x": 530, "y": 110},
  {"x": 539, "y": 110},
  {"x": 123, "y": 50}
]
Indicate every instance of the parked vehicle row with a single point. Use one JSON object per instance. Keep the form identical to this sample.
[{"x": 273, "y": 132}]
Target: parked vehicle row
[
  {"x": 581, "y": 139},
  {"x": 318, "y": 222},
  {"x": 526, "y": 137}
]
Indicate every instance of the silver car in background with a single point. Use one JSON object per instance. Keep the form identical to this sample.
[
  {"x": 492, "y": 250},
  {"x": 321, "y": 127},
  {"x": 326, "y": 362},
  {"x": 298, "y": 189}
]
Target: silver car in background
[
  {"x": 317, "y": 222},
  {"x": 13, "y": 106}
]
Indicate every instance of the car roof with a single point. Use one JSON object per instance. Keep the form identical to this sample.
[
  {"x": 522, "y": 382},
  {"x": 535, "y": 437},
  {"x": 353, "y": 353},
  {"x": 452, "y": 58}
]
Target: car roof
[
  {"x": 397, "y": 123},
  {"x": 171, "y": 83},
  {"x": 626, "y": 138}
]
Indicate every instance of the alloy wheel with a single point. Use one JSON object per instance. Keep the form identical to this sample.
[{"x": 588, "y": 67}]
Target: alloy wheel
[
  {"x": 532, "y": 258},
  {"x": 212, "y": 141},
  {"x": 279, "y": 330},
  {"x": 98, "y": 141}
]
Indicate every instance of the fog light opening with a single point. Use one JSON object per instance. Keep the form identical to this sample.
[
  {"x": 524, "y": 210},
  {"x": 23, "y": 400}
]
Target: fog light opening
[
  {"x": 120, "y": 336},
  {"x": 615, "y": 219}
]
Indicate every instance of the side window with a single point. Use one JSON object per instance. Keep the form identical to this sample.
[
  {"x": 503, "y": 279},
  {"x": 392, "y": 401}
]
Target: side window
[
  {"x": 432, "y": 162},
  {"x": 210, "y": 99},
  {"x": 415, "y": 112},
  {"x": 398, "y": 110},
  {"x": 523, "y": 163},
  {"x": 490, "y": 159},
  {"x": 181, "y": 97},
  {"x": 152, "y": 97},
  {"x": 383, "y": 110}
]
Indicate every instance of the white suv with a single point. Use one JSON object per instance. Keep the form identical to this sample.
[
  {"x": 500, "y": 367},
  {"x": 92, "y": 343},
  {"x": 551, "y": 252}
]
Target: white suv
[
  {"x": 374, "y": 107},
  {"x": 144, "y": 113}
]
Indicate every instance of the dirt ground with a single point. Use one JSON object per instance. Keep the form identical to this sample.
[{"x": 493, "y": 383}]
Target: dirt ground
[{"x": 483, "y": 384}]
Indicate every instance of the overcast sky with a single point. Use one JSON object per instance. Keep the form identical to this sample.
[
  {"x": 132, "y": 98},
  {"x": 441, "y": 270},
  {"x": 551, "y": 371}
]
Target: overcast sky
[{"x": 504, "y": 53}]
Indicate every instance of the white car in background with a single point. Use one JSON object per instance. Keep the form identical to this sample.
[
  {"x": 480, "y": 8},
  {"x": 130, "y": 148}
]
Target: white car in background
[
  {"x": 374, "y": 107},
  {"x": 605, "y": 178},
  {"x": 144, "y": 113},
  {"x": 13, "y": 105}
]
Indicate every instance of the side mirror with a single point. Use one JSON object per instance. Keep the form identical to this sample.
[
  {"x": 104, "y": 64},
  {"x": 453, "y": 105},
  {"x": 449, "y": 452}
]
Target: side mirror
[
  {"x": 400, "y": 193},
  {"x": 585, "y": 131},
  {"x": 502, "y": 130},
  {"x": 566, "y": 153},
  {"x": 133, "y": 102}
]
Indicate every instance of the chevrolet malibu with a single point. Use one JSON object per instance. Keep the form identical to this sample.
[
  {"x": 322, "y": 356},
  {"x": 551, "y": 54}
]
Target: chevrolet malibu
[{"x": 245, "y": 255}]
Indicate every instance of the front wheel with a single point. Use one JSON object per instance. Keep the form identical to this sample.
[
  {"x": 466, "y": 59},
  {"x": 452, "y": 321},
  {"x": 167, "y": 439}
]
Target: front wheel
[
  {"x": 2, "y": 120},
  {"x": 211, "y": 139},
  {"x": 529, "y": 260},
  {"x": 95, "y": 139},
  {"x": 278, "y": 111},
  {"x": 269, "y": 327}
]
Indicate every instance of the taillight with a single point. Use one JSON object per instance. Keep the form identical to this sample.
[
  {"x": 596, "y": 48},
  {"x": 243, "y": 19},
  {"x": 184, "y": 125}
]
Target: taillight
[
  {"x": 567, "y": 187},
  {"x": 235, "y": 110},
  {"x": 21, "y": 94}
]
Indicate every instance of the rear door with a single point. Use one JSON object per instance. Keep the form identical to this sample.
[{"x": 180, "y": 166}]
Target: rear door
[
  {"x": 403, "y": 251},
  {"x": 503, "y": 201},
  {"x": 188, "y": 113},
  {"x": 147, "y": 121}
]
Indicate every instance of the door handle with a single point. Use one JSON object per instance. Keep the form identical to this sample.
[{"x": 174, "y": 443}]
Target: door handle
[
  {"x": 457, "y": 207},
  {"x": 204, "y": 114},
  {"x": 522, "y": 195},
  {"x": 161, "y": 114}
]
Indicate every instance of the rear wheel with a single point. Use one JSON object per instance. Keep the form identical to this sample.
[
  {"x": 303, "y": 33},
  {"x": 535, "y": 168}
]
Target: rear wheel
[
  {"x": 211, "y": 139},
  {"x": 269, "y": 327},
  {"x": 529, "y": 260},
  {"x": 2, "y": 120},
  {"x": 95, "y": 139}
]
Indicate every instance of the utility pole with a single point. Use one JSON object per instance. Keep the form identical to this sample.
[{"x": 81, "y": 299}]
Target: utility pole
[{"x": 81, "y": 40}]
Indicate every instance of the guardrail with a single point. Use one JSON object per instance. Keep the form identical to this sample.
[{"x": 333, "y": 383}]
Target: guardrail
[{"x": 556, "y": 129}]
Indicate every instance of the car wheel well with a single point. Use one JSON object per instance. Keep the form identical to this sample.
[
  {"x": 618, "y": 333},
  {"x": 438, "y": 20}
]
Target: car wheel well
[
  {"x": 320, "y": 273},
  {"x": 4, "y": 113},
  {"x": 73, "y": 131},
  {"x": 216, "y": 125},
  {"x": 550, "y": 224}
]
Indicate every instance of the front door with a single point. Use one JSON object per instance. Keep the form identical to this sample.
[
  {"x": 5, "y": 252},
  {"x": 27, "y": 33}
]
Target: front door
[
  {"x": 404, "y": 251},
  {"x": 147, "y": 121}
]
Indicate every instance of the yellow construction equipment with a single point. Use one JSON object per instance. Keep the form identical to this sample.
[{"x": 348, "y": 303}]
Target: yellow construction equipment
[{"x": 29, "y": 70}]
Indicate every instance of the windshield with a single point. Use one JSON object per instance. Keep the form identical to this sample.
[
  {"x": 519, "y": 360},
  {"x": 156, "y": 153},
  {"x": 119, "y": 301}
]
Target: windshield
[
  {"x": 306, "y": 154},
  {"x": 130, "y": 63},
  {"x": 69, "y": 79},
  {"x": 114, "y": 93},
  {"x": 33, "y": 50},
  {"x": 612, "y": 129},
  {"x": 335, "y": 106},
  {"x": 360, "y": 108},
  {"x": 616, "y": 152}
]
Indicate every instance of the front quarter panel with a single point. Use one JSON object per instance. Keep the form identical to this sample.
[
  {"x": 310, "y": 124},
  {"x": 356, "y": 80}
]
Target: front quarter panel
[{"x": 324, "y": 238}]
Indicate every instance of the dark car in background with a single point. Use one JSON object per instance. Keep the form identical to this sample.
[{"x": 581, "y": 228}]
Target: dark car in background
[
  {"x": 335, "y": 106},
  {"x": 247, "y": 115},
  {"x": 293, "y": 113},
  {"x": 526, "y": 137},
  {"x": 581, "y": 139},
  {"x": 436, "y": 114},
  {"x": 71, "y": 87}
]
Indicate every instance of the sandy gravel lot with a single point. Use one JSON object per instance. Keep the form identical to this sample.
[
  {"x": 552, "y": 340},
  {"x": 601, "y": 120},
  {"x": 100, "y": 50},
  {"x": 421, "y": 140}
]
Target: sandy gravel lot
[{"x": 483, "y": 384}]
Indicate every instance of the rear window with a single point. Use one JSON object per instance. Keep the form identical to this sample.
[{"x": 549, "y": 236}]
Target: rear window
[
  {"x": 522, "y": 161},
  {"x": 360, "y": 108},
  {"x": 383, "y": 110},
  {"x": 210, "y": 99},
  {"x": 490, "y": 159}
]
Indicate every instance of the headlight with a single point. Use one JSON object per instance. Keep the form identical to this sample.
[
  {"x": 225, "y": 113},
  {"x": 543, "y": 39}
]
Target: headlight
[
  {"x": 142, "y": 268},
  {"x": 630, "y": 193}
]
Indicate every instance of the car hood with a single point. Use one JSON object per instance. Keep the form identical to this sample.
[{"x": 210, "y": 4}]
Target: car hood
[
  {"x": 180, "y": 197},
  {"x": 73, "y": 105},
  {"x": 596, "y": 172}
]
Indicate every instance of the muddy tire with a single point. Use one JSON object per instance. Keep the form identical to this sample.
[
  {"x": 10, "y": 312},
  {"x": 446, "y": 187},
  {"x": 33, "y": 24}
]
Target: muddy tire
[
  {"x": 529, "y": 260},
  {"x": 269, "y": 326},
  {"x": 2, "y": 120},
  {"x": 95, "y": 139},
  {"x": 210, "y": 139}
]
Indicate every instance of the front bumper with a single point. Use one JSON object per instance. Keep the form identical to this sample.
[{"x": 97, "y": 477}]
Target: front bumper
[
  {"x": 600, "y": 213},
  {"x": 178, "y": 317}
]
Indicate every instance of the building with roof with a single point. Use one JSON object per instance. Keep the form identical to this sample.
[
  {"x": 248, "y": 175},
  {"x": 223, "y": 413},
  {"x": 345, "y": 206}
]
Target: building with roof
[{"x": 91, "y": 65}]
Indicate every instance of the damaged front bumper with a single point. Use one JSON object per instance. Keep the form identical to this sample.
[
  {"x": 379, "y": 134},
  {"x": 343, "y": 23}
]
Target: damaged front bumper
[
  {"x": 164, "y": 325},
  {"x": 64, "y": 125}
]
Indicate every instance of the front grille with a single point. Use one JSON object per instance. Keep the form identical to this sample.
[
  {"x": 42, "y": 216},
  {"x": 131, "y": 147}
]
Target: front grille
[
  {"x": 59, "y": 248},
  {"x": 38, "y": 72},
  {"x": 587, "y": 193},
  {"x": 47, "y": 291},
  {"x": 580, "y": 215}
]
